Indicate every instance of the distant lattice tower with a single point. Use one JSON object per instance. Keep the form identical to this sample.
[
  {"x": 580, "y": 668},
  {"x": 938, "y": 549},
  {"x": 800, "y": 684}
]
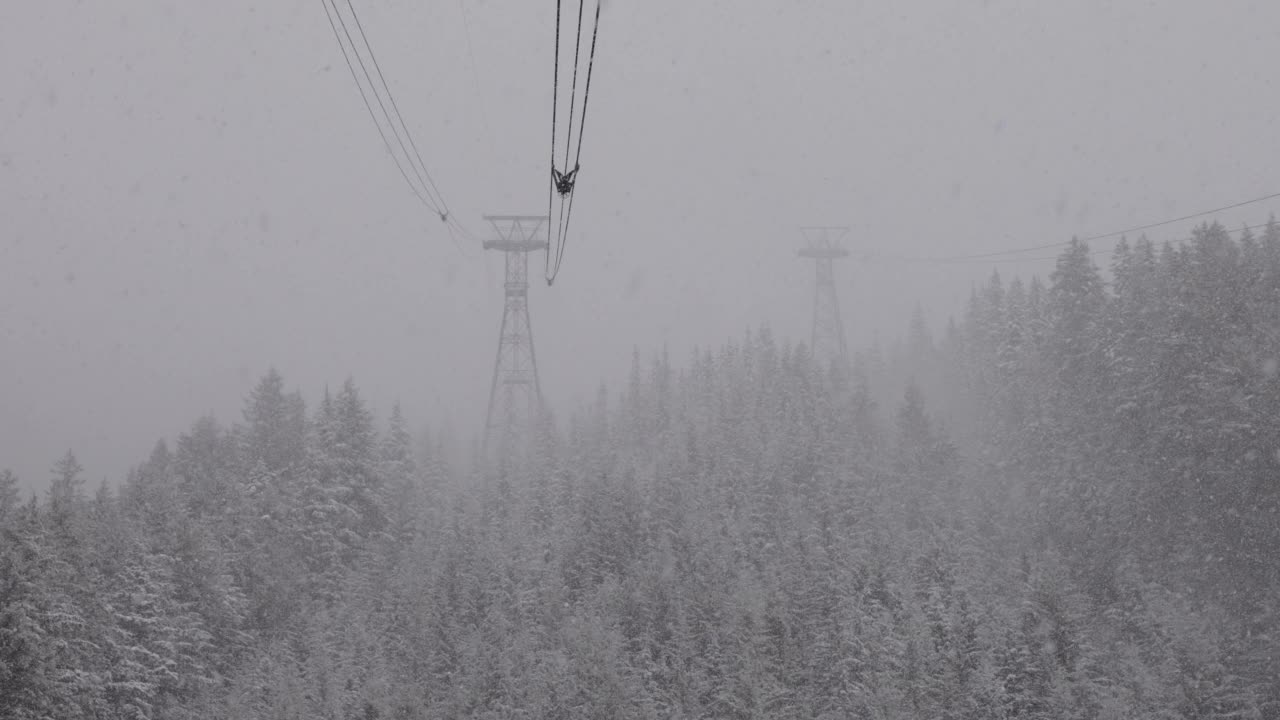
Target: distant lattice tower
[
  {"x": 515, "y": 396},
  {"x": 823, "y": 245}
]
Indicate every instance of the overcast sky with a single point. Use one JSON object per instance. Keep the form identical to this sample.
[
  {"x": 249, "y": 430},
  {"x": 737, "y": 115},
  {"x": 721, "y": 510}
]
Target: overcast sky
[{"x": 192, "y": 192}]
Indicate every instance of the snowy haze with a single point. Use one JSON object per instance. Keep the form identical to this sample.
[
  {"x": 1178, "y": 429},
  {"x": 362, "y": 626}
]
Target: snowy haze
[{"x": 192, "y": 192}]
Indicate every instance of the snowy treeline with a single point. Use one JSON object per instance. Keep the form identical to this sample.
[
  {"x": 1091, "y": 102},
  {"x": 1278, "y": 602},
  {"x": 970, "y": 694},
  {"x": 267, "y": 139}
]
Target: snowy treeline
[
  {"x": 1139, "y": 416},
  {"x": 749, "y": 535}
]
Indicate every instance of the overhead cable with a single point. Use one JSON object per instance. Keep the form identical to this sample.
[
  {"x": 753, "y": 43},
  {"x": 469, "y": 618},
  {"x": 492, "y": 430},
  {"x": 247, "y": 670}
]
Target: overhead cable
[
  {"x": 1001, "y": 259},
  {"x": 564, "y": 181},
  {"x": 426, "y": 189},
  {"x": 1091, "y": 238},
  {"x": 429, "y": 182},
  {"x": 363, "y": 96}
]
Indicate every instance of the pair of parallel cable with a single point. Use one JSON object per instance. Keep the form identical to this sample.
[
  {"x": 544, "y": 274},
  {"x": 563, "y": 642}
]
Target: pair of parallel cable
[
  {"x": 425, "y": 188},
  {"x": 563, "y": 181}
]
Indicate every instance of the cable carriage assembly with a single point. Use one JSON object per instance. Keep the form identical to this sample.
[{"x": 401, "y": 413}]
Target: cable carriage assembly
[{"x": 564, "y": 178}]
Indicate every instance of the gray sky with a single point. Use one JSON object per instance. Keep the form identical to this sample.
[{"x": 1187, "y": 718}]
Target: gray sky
[{"x": 192, "y": 191}]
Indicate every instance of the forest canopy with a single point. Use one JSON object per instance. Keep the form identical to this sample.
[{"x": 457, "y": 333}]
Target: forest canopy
[{"x": 1065, "y": 505}]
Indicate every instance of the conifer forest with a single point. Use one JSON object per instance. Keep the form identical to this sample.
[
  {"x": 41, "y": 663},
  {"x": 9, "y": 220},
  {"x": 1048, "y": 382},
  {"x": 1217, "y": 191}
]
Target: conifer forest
[
  {"x": 893, "y": 360},
  {"x": 1064, "y": 503}
]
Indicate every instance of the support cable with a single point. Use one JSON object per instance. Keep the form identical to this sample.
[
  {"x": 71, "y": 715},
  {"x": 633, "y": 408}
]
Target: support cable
[
  {"x": 429, "y": 182},
  {"x": 1091, "y": 238},
  {"x": 555, "y": 90},
  {"x": 986, "y": 258},
  {"x": 426, "y": 189},
  {"x": 586, "y": 93},
  {"x": 573, "y": 88},
  {"x": 565, "y": 182},
  {"x": 369, "y": 106}
]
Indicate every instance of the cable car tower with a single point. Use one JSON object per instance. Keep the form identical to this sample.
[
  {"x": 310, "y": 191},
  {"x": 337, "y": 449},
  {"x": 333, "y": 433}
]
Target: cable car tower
[
  {"x": 824, "y": 245},
  {"x": 515, "y": 396}
]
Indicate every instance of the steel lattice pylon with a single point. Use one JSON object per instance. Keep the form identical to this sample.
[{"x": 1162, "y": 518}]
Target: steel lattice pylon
[
  {"x": 515, "y": 395},
  {"x": 823, "y": 245}
]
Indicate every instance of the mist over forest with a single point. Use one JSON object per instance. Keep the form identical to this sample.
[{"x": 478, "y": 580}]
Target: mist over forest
[
  {"x": 1061, "y": 504},
  {"x": 894, "y": 360}
]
